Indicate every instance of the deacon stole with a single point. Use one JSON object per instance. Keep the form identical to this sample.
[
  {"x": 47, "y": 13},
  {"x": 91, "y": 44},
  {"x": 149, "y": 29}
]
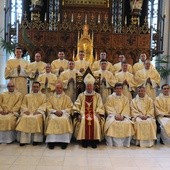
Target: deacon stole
[{"x": 89, "y": 118}]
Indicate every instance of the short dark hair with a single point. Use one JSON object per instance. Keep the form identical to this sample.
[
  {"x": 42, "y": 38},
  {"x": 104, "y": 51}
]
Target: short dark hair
[
  {"x": 61, "y": 50},
  {"x": 18, "y": 48},
  {"x": 103, "y": 60},
  {"x": 140, "y": 87},
  {"x": 36, "y": 82},
  {"x": 164, "y": 85},
  {"x": 118, "y": 85},
  {"x": 124, "y": 62}
]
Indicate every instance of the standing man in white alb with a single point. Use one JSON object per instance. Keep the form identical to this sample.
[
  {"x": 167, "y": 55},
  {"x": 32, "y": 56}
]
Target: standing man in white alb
[
  {"x": 17, "y": 71},
  {"x": 96, "y": 64},
  {"x": 59, "y": 65},
  {"x": 82, "y": 64}
]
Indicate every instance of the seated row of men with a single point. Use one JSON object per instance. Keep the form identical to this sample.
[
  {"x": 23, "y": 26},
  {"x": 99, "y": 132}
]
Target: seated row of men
[
  {"x": 18, "y": 69},
  {"x": 66, "y": 71},
  {"x": 118, "y": 121}
]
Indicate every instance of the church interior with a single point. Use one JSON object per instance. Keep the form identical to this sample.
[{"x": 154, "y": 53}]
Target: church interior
[{"x": 116, "y": 27}]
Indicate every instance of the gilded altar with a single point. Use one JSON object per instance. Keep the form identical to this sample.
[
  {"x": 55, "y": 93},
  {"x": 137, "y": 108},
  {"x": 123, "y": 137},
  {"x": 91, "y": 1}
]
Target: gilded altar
[{"x": 65, "y": 29}]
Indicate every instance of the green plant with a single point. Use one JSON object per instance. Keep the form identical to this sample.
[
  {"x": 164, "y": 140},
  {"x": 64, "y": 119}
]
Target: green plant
[
  {"x": 162, "y": 68},
  {"x": 8, "y": 46}
]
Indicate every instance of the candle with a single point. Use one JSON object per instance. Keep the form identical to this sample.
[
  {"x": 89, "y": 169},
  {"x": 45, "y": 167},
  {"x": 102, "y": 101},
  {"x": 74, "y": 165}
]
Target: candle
[
  {"x": 86, "y": 19},
  {"x": 71, "y": 17},
  {"x": 125, "y": 20},
  {"x": 45, "y": 17},
  {"x": 112, "y": 19},
  {"x": 99, "y": 18},
  {"x": 139, "y": 21},
  {"x": 58, "y": 17},
  {"x": 73, "y": 55}
]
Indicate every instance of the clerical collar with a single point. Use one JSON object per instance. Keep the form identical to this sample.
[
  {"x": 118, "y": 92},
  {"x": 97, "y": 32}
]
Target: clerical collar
[
  {"x": 58, "y": 95},
  {"x": 142, "y": 98},
  {"x": 11, "y": 92},
  {"x": 102, "y": 70},
  {"x": 114, "y": 94},
  {"x": 18, "y": 58},
  {"x": 140, "y": 61},
  {"x": 35, "y": 93},
  {"x": 89, "y": 94},
  {"x": 165, "y": 96}
]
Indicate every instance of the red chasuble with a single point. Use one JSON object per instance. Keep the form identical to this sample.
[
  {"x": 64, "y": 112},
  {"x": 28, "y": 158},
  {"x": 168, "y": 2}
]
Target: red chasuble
[{"x": 89, "y": 118}]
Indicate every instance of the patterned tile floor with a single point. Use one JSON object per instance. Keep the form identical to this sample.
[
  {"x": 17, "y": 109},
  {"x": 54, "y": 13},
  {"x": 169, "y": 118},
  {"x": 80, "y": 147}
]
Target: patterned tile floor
[{"x": 14, "y": 157}]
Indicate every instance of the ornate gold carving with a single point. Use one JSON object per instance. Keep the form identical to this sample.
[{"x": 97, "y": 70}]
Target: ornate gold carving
[
  {"x": 103, "y": 3},
  {"x": 85, "y": 43}
]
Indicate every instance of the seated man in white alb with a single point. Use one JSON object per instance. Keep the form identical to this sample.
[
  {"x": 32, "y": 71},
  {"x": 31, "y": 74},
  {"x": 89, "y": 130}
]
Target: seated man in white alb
[
  {"x": 88, "y": 113},
  {"x": 31, "y": 122},
  {"x": 59, "y": 127},
  {"x": 81, "y": 64},
  {"x": 118, "y": 126},
  {"x": 10, "y": 103},
  {"x": 107, "y": 80},
  {"x": 162, "y": 108},
  {"x": 142, "y": 111}
]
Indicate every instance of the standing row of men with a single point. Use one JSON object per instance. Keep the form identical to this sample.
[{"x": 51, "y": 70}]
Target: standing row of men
[
  {"x": 58, "y": 118},
  {"x": 18, "y": 70}
]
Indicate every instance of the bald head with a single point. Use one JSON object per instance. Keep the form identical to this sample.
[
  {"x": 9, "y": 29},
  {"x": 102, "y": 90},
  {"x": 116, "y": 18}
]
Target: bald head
[
  {"x": 147, "y": 64},
  {"x": 59, "y": 87},
  {"x": 11, "y": 86}
]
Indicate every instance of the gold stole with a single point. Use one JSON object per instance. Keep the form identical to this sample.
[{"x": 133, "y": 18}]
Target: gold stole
[{"x": 89, "y": 118}]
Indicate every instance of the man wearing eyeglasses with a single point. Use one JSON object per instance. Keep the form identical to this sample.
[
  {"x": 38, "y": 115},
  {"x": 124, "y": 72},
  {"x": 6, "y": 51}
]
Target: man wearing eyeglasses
[
  {"x": 10, "y": 102},
  {"x": 162, "y": 108}
]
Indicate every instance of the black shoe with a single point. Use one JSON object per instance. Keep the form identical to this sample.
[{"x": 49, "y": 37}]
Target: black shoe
[
  {"x": 51, "y": 145},
  {"x": 84, "y": 144},
  {"x": 63, "y": 145},
  {"x": 94, "y": 144},
  {"x": 22, "y": 144},
  {"x": 161, "y": 141},
  {"x": 35, "y": 143}
]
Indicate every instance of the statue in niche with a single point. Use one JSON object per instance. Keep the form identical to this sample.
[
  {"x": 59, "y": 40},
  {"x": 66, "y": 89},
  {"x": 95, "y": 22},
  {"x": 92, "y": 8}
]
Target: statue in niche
[
  {"x": 136, "y": 4},
  {"x": 36, "y": 5}
]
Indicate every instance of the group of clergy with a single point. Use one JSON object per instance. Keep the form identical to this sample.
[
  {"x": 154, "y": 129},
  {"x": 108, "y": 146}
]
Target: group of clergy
[{"x": 52, "y": 109}]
